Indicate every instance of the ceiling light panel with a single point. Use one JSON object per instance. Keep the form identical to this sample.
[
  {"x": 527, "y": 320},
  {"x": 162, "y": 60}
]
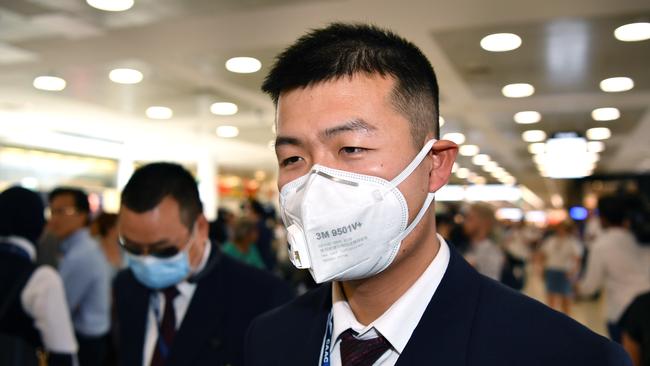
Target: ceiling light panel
[
  {"x": 527, "y": 117},
  {"x": 243, "y": 65},
  {"x": 468, "y": 150},
  {"x": 501, "y": 42},
  {"x": 534, "y": 136},
  {"x": 617, "y": 84},
  {"x": 633, "y": 32},
  {"x": 605, "y": 114},
  {"x": 518, "y": 90}
]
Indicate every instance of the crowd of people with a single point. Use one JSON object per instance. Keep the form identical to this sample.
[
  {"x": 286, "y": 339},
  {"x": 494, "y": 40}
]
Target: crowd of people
[{"x": 359, "y": 165}]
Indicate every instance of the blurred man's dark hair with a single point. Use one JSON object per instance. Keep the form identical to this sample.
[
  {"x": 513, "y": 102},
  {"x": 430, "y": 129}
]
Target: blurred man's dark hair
[
  {"x": 343, "y": 50},
  {"x": 80, "y": 198},
  {"x": 151, "y": 183}
]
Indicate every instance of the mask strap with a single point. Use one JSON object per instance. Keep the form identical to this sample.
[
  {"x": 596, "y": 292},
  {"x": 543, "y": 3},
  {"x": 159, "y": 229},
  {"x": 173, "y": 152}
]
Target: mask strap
[
  {"x": 413, "y": 164},
  {"x": 416, "y": 220}
]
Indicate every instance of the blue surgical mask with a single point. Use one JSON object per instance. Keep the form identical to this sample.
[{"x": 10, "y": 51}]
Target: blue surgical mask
[{"x": 157, "y": 273}]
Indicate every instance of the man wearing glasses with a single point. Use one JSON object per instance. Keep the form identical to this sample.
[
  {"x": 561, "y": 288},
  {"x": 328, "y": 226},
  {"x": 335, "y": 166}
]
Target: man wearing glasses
[
  {"x": 84, "y": 271},
  {"x": 172, "y": 262}
]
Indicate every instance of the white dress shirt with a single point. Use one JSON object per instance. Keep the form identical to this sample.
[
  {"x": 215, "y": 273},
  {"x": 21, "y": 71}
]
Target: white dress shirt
[
  {"x": 43, "y": 298},
  {"x": 399, "y": 321},
  {"x": 181, "y": 303},
  {"x": 621, "y": 265}
]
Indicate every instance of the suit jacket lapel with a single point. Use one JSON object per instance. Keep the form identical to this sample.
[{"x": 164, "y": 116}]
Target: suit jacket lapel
[
  {"x": 196, "y": 327},
  {"x": 442, "y": 335},
  {"x": 135, "y": 321},
  {"x": 306, "y": 347}
]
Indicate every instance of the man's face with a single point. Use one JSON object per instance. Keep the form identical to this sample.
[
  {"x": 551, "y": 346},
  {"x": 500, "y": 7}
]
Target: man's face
[
  {"x": 160, "y": 232},
  {"x": 65, "y": 219},
  {"x": 350, "y": 124},
  {"x": 472, "y": 223}
]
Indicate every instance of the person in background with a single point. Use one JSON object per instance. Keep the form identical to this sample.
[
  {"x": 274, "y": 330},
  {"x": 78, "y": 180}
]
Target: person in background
[
  {"x": 243, "y": 246},
  {"x": 181, "y": 301},
  {"x": 84, "y": 270},
  {"x": 221, "y": 228},
  {"x": 635, "y": 327},
  {"x": 254, "y": 210},
  {"x": 560, "y": 254},
  {"x": 104, "y": 228},
  {"x": 616, "y": 263},
  {"x": 483, "y": 253},
  {"x": 32, "y": 299}
]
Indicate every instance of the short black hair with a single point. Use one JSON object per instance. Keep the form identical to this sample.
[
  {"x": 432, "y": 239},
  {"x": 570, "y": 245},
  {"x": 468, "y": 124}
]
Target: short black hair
[
  {"x": 343, "y": 50},
  {"x": 21, "y": 214},
  {"x": 80, "y": 198},
  {"x": 151, "y": 183},
  {"x": 613, "y": 208}
]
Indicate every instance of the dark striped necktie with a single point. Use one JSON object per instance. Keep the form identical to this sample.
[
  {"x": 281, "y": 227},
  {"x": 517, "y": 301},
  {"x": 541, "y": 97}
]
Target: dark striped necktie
[
  {"x": 357, "y": 352},
  {"x": 167, "y": 328}
]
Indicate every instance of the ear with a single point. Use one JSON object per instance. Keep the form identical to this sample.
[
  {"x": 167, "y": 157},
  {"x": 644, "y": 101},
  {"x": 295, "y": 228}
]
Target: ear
[
  {"x": 444, "y": 154},
  {"x": 202, "y": 226}
]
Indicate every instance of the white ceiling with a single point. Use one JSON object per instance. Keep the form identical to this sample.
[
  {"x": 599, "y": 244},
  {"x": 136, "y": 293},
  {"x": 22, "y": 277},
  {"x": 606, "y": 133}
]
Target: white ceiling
[{"x": 181, "y": 46}]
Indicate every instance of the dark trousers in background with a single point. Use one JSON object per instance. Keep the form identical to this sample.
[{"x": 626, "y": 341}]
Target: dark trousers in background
[{"x": 92, "y": 350}]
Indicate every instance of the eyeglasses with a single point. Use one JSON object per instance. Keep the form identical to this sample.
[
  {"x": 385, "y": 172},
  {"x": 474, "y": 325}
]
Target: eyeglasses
[
  {"x": 158, "y": 250},
  {"x": 62, "y": 211}
]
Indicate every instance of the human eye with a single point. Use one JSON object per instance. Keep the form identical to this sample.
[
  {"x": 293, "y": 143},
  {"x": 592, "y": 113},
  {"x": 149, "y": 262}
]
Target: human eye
[
  {"x": 352, "y": 150},
  {"x": 290, "y": 161}
]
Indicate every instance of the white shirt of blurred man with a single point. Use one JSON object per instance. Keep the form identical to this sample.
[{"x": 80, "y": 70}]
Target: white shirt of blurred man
[{"x": 483, "y": 253}]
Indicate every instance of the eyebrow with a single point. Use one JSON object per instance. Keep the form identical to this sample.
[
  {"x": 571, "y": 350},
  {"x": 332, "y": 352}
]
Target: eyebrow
[{"x": 355, "y": 125}]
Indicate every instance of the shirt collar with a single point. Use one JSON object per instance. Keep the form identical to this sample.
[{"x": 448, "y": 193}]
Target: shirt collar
[
  {"x": 74, "y": 238},
  {"x": 400, "y": 320},
  {"x": 186, "y": 288},
  {"x": 21, "y": 243}
]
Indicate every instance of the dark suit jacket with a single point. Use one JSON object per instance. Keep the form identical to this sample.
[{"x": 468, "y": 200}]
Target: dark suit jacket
[
  {"x": 227, "y": 297},
  {"x": 471, "y": 320}
]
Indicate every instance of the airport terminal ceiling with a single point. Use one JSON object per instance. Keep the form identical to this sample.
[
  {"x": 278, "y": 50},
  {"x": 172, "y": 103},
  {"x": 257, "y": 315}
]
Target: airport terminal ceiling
[{"x": 181, "y": 47}]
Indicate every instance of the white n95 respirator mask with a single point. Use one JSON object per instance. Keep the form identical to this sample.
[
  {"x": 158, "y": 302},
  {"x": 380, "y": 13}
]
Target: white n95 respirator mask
[{"x": 345, "y": 226}]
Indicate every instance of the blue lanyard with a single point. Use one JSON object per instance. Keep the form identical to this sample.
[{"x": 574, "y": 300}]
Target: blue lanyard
[
  {"x": 155, "y": 305},
  {"x": 327, "y": 346}
]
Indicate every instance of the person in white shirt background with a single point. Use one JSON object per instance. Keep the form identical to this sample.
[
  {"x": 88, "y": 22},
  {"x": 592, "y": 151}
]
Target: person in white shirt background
[
  {"x": 561, "y": 254},
  {"x": 483, "y": 253},
  {"x": 616, "y": 263}
]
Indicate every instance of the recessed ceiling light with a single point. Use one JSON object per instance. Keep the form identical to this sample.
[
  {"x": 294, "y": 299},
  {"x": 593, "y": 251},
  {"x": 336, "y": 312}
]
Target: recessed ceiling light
[
  {"x": 633, "y": 32},
  {"x": 501, "y": 42},
  {"x": 490, "y": 166},
  {"x": 125, "y": 76},
  {"x": 111, "y": 5},
  {"x": 455, "y": 167},
  {"x": 617, "y": 84},
  {"x": 519, "y": 90},
  {"x": 481, "y": 159},
  {"x": 537, "y": 148},
  {"x": 534, "y": 135},
  {"x": 455, "y": 137},
  {"x": 227, "y": 131},
  {"x": 509, "y": 180},
  {"x": 527, "y": 117},
  {"x": 599, "y": 133},
  {"x": 595, "y": 146},
  {"x": 224, "y": 108},
  {"x": 159, "y": 112},
  {"x": 605, "y": 114},
  {"x": 479, "y": 180},
  {"x": 468, "y": 150},
  {"x": 243, "y": 65},
  {"x": 441, "y": 121},
  {"x": 49, "y": 83},
  {"x": 462, "y": 173}
]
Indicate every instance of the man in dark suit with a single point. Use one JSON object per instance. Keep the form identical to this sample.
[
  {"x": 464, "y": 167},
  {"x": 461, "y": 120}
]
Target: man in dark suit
[
  {"x": 357, "y": 112},
  {"x": 172, "y": 262}
]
